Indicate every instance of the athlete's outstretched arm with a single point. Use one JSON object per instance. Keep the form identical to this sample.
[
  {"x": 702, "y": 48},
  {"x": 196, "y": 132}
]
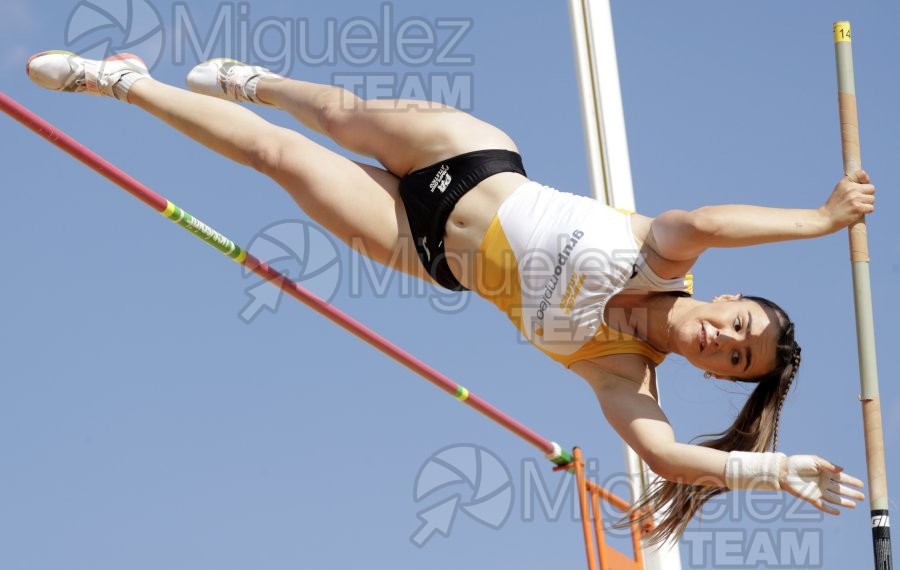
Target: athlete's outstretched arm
[
  {"x": 680, "y": 235},
  {"x": 633, "y": 412}
]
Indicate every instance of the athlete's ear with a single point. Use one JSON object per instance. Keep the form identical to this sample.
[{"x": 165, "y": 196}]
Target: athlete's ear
[{"x": 727, "y": 298}]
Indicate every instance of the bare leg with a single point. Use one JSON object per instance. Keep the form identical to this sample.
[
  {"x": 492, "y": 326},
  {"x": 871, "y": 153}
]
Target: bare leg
[
  {"x": 358, "y": 203},
  {"x": 403, "y": 135}
]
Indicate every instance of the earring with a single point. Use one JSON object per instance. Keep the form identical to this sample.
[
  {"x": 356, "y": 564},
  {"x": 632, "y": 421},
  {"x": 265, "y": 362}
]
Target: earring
[{"x": 707, "y": 374}]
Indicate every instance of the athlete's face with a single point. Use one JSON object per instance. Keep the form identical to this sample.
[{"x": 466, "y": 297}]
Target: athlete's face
[{"x": 730, "y": 337}]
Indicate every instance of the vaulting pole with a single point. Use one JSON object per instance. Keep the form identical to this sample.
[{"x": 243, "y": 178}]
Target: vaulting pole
[
  {"x": 862, "y": 294},
  {"x": 159, "y": 203}
]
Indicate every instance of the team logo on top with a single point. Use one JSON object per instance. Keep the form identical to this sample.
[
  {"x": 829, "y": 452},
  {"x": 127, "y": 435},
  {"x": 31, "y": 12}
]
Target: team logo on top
[
  {"x": 441, "y": 180},
  {"x": 464, "y": 477},
  {"x": 98, "y": 29}
]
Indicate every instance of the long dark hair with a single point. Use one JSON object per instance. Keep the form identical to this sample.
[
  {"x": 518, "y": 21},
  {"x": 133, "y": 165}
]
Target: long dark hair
[{"x": 754, "y": 429}]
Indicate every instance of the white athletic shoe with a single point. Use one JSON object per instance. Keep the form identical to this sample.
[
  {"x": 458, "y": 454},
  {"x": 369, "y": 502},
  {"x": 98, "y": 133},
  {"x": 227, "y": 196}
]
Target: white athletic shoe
[
  {"x": 228, "y": 79},
  {"x": 66, "y": 71}
]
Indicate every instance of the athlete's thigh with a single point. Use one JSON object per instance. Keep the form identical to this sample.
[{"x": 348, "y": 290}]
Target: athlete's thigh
[
  {"x": 406, "y": 135},
  {"x": 358, "y": 203}
]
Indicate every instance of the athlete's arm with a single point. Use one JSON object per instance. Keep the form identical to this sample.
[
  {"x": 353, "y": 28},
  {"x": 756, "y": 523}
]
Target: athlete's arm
[
  {"x": 632, "y": 410},
  {"x": 680, "y": 235}
]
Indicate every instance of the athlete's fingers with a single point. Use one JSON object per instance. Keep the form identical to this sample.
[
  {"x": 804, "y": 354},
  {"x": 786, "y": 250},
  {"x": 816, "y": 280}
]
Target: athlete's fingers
[
  {"x": 860, "y": 176},
  {"x": 833, "y": 486},
  {"x": 824, "y": 507},
  {"x": 847, "y": 479},
  {"x": 836, "y": 499},
  {"x": 846, "y": 491}
]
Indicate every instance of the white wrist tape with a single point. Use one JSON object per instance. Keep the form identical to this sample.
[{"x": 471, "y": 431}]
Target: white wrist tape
[{"x": 747, "y": 470}]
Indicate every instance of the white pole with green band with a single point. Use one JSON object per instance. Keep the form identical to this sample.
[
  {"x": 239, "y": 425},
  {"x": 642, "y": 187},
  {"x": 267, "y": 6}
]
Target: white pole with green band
[{"x": 862, "y": 293}]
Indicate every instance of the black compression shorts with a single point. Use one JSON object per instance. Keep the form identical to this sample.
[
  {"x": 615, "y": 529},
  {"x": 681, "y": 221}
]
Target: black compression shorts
[{"x": 430, "y": 194}]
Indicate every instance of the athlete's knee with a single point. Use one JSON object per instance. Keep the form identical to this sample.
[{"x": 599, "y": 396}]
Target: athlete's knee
[
  {"x": 335, "y": 109},
  {"x": 265, "y": 151}
]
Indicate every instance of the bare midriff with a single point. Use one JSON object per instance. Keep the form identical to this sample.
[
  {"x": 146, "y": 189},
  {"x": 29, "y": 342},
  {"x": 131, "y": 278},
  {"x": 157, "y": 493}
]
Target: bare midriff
[{"x": 470, "y": 219}]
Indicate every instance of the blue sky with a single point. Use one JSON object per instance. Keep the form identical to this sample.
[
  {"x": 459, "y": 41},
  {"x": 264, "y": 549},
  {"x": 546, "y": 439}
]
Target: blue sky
[{"x": 145, "y": 424}]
